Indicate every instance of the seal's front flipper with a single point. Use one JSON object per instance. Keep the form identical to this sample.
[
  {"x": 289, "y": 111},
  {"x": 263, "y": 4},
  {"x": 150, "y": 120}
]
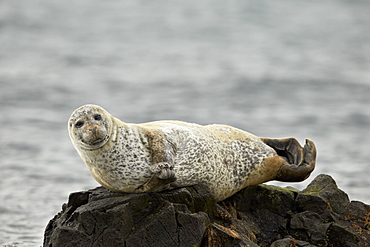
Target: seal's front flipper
[
  {"x": 155, "y": 184},
  {"x": 163, "y": 170},
  {"x": 297, "y": 162},
  {"x": 163, "y": 176}
]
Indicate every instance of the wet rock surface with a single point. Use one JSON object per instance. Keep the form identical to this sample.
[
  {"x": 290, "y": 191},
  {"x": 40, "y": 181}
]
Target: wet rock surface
[{"x": 320, "y": 215}]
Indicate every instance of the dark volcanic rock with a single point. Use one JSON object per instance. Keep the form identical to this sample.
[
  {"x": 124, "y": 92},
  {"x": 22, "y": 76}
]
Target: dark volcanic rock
[
  {"x": 99, "y": 217},
  {"x": 320, "y": 215}
]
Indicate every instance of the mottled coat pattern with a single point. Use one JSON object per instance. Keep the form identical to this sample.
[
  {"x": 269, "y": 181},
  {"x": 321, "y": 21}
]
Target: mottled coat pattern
[{"x": 162, "y": 155}]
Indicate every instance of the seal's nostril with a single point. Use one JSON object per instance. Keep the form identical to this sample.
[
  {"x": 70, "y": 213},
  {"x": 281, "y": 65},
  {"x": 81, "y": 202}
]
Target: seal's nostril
[{"x": 93, "y": 130}]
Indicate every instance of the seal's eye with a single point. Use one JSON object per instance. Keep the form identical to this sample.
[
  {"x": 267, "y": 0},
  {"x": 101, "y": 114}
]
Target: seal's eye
[
  {"x": 97, "y": 117},
  {"x": 79, "y": 124}
]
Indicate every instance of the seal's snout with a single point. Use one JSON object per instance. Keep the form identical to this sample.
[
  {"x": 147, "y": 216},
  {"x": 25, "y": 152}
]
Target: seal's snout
[{"x": 93, "y": 130}]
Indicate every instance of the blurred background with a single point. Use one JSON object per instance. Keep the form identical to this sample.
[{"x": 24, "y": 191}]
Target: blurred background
[{"x": 273, "y": 68}]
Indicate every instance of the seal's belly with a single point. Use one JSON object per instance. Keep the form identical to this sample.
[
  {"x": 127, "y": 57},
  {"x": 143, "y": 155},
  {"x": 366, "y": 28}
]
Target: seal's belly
[
  {"x": 219, "y": 156},
  {"x": 215, "y": 162},
  {"x": 124, "y": 176}
]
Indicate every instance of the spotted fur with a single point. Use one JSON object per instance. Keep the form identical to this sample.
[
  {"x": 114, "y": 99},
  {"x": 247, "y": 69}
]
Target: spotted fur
[{"x": 168, "y": 154}]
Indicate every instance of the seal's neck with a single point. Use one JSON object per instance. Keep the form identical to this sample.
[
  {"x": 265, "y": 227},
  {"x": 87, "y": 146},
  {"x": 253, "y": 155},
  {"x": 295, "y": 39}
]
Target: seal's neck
[{"x": 114, "y": 135}]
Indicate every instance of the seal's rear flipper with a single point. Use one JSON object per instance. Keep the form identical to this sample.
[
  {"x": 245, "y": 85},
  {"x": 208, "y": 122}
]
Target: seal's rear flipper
[
  {"x": 298, "y": 162},
  {"x": 288, "y": 148}
]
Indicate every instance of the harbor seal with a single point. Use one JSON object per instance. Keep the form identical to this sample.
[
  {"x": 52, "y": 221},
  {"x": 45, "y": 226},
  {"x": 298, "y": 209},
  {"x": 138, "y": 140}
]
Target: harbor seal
[{"x": 162, "y": 155}]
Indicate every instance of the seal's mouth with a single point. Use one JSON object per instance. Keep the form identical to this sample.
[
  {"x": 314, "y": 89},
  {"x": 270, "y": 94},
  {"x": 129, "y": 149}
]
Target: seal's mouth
[{"x": 96, "y": 143}]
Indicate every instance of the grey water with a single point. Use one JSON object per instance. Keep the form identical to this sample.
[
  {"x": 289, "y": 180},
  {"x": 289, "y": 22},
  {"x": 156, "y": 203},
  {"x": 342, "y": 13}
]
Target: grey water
[{"x": 273, "y": 68}]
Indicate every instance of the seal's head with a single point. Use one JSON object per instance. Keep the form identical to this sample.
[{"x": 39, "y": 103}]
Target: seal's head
[{"x": 90, "y": 127}]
